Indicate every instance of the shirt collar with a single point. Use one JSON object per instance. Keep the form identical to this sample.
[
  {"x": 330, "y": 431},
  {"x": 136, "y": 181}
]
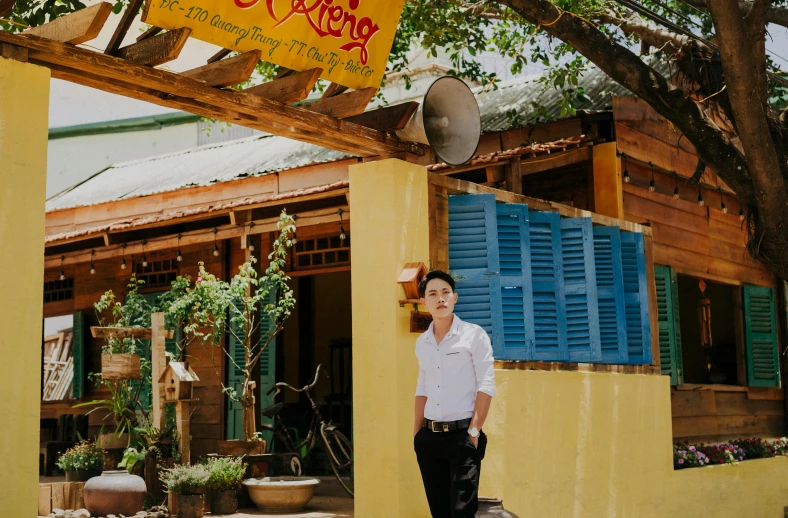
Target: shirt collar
[{"x": 455, "y": 328}]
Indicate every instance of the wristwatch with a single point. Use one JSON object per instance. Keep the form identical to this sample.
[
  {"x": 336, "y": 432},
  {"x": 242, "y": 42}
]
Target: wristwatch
[{"x": 473, "y": 432}]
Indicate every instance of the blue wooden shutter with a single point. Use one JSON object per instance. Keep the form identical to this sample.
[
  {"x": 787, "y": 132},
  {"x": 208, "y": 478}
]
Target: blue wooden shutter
[
  {"x": 669, "y": 327},
  {"x": 267, "y": 360},
  {"x": 760, "y": 331},
  {"x": 78, "y": 354},
  {"x": 636, "y": 303},
  {"x": 235, "y": 377},
  {"x": 473, "y": 257},
  {"x": 582, "y": 312},
  {"x": 610, "y": 292},
  {"x": 547, "y": 283},
  {"x": 516, "y": 292}
]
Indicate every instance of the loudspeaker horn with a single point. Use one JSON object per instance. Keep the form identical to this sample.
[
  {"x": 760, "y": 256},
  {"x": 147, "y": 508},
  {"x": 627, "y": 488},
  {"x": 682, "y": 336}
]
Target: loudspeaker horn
[{"x": 448, "y": 119}]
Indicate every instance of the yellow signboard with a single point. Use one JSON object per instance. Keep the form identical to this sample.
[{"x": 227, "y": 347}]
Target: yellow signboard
[{"x": 349, "y": 39}]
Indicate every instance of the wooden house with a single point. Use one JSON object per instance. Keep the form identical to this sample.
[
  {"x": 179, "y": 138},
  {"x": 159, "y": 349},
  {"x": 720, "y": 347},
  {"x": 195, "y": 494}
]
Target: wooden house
[{"x": 616, "y": 163}]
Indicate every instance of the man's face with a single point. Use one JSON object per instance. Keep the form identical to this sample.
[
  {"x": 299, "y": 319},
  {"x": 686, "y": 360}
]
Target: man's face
[{"x": 439, "y": 298}]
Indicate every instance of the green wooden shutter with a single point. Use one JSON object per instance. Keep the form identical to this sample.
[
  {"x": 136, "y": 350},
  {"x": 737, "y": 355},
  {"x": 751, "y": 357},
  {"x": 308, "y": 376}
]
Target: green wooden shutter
[
  {"x": 669, "y": 325},
  {"x": 235, "y": 379},
  {"x": 78, "y": 353},
  {"x": 760, "y": 331}
]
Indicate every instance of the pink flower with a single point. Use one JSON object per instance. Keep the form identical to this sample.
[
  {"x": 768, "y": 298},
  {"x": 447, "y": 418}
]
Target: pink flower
[{"x": 199, "y": 279}]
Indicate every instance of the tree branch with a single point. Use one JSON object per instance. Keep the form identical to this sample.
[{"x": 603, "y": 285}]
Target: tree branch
[
  {"x": 755, "y": 23},
  {"x": 647, "y": 32},
  {"x": 618, "y": 62},
  {"x": 751, "y": 119},
  {"x": 775, "y": 15}
]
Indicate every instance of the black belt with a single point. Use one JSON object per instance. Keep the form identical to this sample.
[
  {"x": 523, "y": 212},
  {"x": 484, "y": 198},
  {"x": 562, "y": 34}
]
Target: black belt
[{"x": 448, "y": 426}]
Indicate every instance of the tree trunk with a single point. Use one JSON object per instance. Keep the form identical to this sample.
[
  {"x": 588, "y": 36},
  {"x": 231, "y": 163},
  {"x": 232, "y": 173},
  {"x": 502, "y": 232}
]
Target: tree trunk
[{"x": 248, "y": 404}]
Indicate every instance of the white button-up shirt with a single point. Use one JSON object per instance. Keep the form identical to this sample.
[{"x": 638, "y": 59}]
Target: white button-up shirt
[{"x": 453, "y": 371}]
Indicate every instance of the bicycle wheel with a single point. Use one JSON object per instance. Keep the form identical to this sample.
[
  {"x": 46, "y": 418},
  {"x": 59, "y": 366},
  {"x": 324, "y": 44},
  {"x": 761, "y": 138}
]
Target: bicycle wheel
[{"x": 340, "y": 457}]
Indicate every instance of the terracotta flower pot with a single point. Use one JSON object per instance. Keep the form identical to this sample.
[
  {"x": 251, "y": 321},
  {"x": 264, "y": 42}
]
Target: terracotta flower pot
[
  {"x": 191, "y": 506},
  {"x": 115, "y": 492},
  {"x": 110, "y": 441},
  {"x": 82, "y": 476},
  {"x": 224, "y": 502}
]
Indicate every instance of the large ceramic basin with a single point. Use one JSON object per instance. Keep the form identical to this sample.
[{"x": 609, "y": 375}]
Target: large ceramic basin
[{"x": 281, "y": 494}]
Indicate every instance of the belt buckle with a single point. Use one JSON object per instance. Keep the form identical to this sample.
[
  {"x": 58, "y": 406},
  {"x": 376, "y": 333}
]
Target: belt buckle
[{"x": 432, "y": 426}]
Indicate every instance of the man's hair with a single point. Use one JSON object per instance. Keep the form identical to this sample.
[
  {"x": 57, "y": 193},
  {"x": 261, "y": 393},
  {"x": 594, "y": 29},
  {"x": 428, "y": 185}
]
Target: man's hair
[{"x": 434, "y": 274}]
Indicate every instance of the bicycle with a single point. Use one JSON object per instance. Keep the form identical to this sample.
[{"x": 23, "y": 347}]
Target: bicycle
[{"x": 339, "y": 451}]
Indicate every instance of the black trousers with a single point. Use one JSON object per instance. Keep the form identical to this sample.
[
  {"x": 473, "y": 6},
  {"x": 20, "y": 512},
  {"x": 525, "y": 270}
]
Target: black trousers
[{"x": 450, "y": 466}]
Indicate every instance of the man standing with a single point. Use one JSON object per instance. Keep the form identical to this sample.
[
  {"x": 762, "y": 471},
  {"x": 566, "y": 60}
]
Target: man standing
[{"x": 453, "y": 396}]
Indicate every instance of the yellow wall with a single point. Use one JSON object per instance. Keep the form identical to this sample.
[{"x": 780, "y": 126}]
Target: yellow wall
[
  {"x": 389, "y": 199},
  {"x": 562, "y": 444},
  {"x": 24, "y": 104}
]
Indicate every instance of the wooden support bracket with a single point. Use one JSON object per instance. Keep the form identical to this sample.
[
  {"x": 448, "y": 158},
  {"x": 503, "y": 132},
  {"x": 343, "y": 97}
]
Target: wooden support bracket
[
  {"x": 77, "y": 27},
  {"x": 123, "y": 27},
  {"x": 288, "y": 88},
  {"x": 240, "y": 217},
  {"x": 153, "y": 31},
  {"x": 344, "y": 105},
  {"x": 333, "y": 90},
  {"x": 226, "y": 72},
  {"x": 219, "y": 56},
  {"x": 157, "y": 50},
  {"x": 390, "y": 118}
]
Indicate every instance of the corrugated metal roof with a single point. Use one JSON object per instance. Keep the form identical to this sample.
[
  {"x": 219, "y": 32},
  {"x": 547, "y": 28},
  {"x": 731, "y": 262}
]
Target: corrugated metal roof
[
  {"x": 260, "y": 155},
  {"x": 200, "y": 166}
]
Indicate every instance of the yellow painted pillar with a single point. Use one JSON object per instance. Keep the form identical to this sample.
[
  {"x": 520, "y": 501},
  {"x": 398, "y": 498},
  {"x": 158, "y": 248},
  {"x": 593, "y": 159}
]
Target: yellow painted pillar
[
  {"x": 390, "y": 228},
  {"x": 24, "y": 104},
  {"x": 608, "y": 193}
]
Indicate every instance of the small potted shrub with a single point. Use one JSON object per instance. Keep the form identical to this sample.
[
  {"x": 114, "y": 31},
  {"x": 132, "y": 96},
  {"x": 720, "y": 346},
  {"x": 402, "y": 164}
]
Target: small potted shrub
[
  {"x": 187, "y": 485},
  {"x": 82, "y": 462},
  {"x": 225, "y": 477}
]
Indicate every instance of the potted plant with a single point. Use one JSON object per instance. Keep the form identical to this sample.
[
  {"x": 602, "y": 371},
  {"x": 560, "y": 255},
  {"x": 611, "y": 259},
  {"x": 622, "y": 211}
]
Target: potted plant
[
  {"x": 243, "y": 309},
  {"x": 82, "y": 462},
  {"x": 186, "y": 486},
  {"x": 120, "y": 406},
  {"x": 225, "y": 477},
  {"x": 120, "y": 358}
]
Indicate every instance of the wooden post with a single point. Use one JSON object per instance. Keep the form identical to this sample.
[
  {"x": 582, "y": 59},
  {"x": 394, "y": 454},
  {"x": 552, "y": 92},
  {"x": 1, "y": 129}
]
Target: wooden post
[
  {"x": 514, "y": 176},
  {"x": 439, "y": 228},
  {"x": 182, "y": 418},
  {"x": 158, "y": 364},
  {"x": 608, "y": 193}
]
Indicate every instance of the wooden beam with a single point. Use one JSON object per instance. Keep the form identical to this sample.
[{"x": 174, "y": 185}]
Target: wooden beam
[
  {"x": 439, "y": 228},
  {"x": 13, "y": 52},
  {"x": 344, "y": 105},
  {"x": 227, "y": 72},
  {"x": 6, "y": 6},
  {"x": 289, "y": 88},
  {"x": 168, "y": 89},
  {"x": 240, "y": 217},
  {"x": 157, "y": 50},
  {"x": 514, "y": 176},
  {"x": 153, "y": 31},
  {"x": 123, "y": 27},
  {"x": 219, "y": 56},
  {"x": 651, "y": 283},
  {"x": 262, "y": 226},
  {"x": 77, "y": 27},
  {"x": 283, "y": 72},
  {"x": 608, "y": 193},
  {"x": 457, "y": 186},
  {"x": 390, "y": 118}
]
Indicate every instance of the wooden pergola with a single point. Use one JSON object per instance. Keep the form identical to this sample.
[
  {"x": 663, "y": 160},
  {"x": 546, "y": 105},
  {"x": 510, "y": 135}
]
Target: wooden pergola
[{"x": 336, "y": 121}]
